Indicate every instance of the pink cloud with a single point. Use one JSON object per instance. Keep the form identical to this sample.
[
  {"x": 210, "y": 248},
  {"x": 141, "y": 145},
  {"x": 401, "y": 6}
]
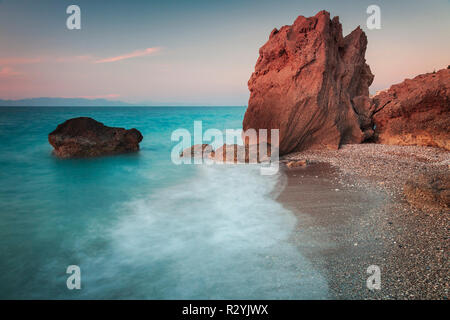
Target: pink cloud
[
  {"x": 134, "y": 54},
  {"x": 18, "y": 61},
  {"x": 45, "y": 59},
  {"x": 8, "y": 72},
  {"x": 9, "y": 61}
]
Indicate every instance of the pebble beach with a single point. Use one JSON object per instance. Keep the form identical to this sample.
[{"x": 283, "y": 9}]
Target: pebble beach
[{"x": 351, "y": 202}]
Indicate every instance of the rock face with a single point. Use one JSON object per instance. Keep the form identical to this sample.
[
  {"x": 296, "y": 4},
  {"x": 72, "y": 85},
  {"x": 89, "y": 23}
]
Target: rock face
[
  {"x": 429, "y": 191},
  {"x": 86, "y": 137},
  {"x": 312, "y": 84},
  {"x": 415, "y": 112}
]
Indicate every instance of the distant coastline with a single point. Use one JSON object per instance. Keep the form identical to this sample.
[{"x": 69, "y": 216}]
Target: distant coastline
[
  {"x": 63, "y": 102},
  {"x": 83, "y": 102}
]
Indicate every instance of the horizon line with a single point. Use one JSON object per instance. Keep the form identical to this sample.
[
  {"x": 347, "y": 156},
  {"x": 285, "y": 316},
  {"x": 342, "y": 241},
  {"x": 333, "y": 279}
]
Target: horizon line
[{"x": 117, "y": 103}]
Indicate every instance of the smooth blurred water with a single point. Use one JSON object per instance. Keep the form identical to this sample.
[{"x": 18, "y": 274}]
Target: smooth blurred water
[{"x": 138, "y": 225}]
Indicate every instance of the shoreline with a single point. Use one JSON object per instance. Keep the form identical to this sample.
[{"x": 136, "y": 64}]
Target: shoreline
[{"x": 352, "y": 214}]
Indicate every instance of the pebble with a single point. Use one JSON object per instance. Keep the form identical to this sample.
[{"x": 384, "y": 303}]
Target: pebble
[{"x": 416, "y": 271}]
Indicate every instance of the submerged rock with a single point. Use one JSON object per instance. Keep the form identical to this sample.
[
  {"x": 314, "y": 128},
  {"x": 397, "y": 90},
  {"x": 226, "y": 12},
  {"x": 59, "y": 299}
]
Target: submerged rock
[
  {"x": 415, "y": 112},
  {"x": 312, "y": 84},
  {"x": 239, "y": 153},
  {"x": 229, "y": 153},
  {"x": 198, "y": 151},
  {"x": 86, "y": 137}
]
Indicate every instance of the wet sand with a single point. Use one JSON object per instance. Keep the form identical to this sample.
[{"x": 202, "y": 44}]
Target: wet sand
[{"x": 352, "y": 214}]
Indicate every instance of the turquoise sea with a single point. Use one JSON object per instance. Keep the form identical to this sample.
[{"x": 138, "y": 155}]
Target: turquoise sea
[{"x": 137, "y": 225}]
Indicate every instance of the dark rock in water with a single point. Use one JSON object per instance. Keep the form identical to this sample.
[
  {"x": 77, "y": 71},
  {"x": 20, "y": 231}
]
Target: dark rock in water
[
  {"x": 415, "y": 112},
  {"x": 198, "y": 151},
  {"x": 312, "y": 84},
  {"x": 86, "y": 137},
  {"x": 429, "y": 191}
]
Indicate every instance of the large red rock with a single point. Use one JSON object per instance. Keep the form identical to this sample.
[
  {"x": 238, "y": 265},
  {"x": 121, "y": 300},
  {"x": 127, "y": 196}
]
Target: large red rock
[
  {"x": 312, "y": 84},
  {"x": 86, "y": 137},
  {"x": 415, "y": 112}
]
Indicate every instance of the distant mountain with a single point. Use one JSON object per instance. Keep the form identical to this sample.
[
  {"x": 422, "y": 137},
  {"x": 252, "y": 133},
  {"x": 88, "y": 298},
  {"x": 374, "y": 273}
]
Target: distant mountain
[{"x": 62, "y": 102}]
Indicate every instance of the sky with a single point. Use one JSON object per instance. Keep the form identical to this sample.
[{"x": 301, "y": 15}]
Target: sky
[{"x": 192, "y": 52}]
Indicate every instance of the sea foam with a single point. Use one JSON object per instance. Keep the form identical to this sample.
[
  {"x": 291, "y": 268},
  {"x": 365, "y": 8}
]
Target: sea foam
[{"x": 220, "y": 234}]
